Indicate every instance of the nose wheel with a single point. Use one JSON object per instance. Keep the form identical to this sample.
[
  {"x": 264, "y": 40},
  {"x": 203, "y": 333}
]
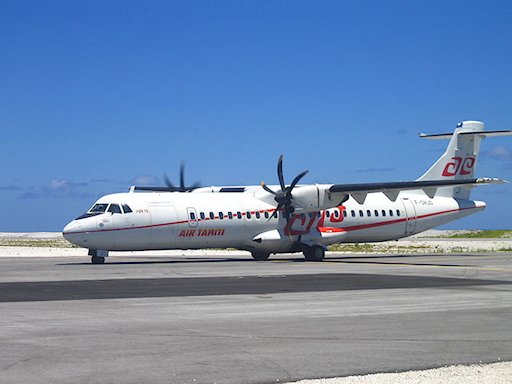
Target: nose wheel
[{"x": 98, "y": 256}]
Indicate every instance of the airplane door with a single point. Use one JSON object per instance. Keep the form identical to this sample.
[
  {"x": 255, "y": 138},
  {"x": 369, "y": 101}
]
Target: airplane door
[
  {"x": 192, "y": 217},
  {"x": 410, "y": 212},
  {"x": 163, "y": 216}
]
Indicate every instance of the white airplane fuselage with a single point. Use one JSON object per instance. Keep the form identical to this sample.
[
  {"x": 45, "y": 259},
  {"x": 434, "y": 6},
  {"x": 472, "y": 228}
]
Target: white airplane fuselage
[
  {"x": 288, "y": 218},
  {"x": 233, "y": 220}
]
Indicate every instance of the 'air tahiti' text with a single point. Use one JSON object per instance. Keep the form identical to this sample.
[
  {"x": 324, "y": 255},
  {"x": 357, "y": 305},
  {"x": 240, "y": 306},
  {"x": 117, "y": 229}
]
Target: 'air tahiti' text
[{"x": 201, "y": 232}]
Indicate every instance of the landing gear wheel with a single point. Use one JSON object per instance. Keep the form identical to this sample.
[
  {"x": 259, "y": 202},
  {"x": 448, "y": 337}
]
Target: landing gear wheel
[
  {"x": 97, "y": 260},
  {"x": 260, "y": 256},
  {"x": 315, "y": 253}
]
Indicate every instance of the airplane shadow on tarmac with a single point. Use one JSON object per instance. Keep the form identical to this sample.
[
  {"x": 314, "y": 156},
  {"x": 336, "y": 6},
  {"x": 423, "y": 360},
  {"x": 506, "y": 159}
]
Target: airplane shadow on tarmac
[{"x": 225, "y": 285}]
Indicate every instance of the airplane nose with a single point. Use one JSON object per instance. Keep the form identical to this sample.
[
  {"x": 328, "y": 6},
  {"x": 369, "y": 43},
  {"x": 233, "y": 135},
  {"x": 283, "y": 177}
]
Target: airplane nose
[
  {"x": 70, "y": 227},
  {"x": 69, "y": 231}
]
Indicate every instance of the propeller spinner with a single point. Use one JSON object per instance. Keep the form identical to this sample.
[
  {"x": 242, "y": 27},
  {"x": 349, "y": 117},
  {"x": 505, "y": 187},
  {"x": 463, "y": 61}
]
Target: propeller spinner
[{"x": 284, "y": 197}]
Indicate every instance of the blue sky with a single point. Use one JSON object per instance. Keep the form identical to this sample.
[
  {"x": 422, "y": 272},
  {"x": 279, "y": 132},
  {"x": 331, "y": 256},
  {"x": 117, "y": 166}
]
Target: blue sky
[{"x": 99, "y": 95}]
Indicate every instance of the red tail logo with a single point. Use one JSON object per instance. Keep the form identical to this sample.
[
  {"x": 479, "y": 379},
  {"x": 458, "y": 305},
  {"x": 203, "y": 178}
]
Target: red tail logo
[{"x": 459, "y": 166}]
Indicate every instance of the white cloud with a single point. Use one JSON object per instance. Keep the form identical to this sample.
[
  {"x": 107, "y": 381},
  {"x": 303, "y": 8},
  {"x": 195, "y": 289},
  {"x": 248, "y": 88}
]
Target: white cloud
[
  {"x": 58, "y": 184},
  {"x": 501, "y": 153},
  {"x": 57, "y": 188}
]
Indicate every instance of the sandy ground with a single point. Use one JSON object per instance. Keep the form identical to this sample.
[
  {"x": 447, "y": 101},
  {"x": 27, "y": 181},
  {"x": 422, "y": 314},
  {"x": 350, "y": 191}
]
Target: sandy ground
[
  {"x": 426, "y": 242},
  {"x": 497, "y": 373}
]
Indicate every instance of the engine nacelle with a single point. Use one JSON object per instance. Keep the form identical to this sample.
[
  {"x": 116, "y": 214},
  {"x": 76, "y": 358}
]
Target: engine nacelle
[{"x": 312, "y": 198}]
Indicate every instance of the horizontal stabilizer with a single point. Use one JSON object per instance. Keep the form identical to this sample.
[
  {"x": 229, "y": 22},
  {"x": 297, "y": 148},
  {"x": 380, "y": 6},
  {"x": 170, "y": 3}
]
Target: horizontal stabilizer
[{"x": 442, "y": 136}]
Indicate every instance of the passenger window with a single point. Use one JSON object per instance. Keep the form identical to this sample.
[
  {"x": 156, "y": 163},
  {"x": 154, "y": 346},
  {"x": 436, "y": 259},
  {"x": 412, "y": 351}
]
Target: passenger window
[
  {"x": 212, "y": 216},
  {"x": 398, "y": 212},
  {"x": 376, "y": 213},
  {"x": 239, "y": 215},
  {"x": 267, "y": 215},
  {"x": 361, "y": 214},
  {"x": 353, "y": 213},
  {"x": 369, "y": 213},
  {"x": 383, "y": 213},
  {"x": 202, "y": 216},
  {"x": 114, "y": 208},
  {"x": 248, "y": 214},
  {"x": 336, "y": 214},
  {"x": 328, "y": 213},
  {"x": 126, "y": 208},
  {"x": 258, "y": 214},
  {"x": 344, "y": 213},
  {"x": 230, "y": 215},
  {"x": 390, "y": 212},
  {"x": 221, "y": 215},
  {"x": 192, "y": 215}
]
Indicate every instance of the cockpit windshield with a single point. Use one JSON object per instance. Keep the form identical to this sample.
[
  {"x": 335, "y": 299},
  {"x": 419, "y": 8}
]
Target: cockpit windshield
[{"x": 98, "y": 208}]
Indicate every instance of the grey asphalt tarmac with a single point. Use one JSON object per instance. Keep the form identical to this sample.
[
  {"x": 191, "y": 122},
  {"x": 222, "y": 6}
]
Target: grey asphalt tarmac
[{"x": 225, "y": 319}]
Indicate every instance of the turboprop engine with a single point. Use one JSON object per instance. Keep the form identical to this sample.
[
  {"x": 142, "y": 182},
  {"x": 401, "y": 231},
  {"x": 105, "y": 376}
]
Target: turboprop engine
[{"x": 301, "y": 199}]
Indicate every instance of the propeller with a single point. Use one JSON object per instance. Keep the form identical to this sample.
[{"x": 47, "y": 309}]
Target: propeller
[
  {"x": 284, "y": 197},
  {"x": 182, "y": 187}
]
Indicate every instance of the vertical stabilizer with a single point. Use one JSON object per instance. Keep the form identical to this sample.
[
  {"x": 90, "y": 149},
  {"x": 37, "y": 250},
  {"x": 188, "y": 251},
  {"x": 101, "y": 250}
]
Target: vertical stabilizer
[{"x": 459, "y": 160}]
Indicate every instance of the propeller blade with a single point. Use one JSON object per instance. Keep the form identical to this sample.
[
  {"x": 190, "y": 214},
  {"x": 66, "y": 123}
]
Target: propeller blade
[
  {"x": 182, "y": 187},
  {"x": 280, "y": 173},
  {"x": 182, "y": 177},
  {"x": 264, "y": 186},
  {"x": 296, "y": 180},
  {"x": 276, "y": 212},
  {"x": 284, "y": 196},
  {"x": 168, "y": 183}
]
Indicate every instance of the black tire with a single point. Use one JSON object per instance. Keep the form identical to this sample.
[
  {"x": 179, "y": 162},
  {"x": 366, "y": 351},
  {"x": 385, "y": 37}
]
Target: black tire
[
  {"x": 315, "y": 253},
  {"x": 97, "y": 260},
  {"x": 260, "y": 256}
]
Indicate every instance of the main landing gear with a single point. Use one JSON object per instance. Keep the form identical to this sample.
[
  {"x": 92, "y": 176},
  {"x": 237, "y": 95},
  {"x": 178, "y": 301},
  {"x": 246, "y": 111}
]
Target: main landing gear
[
  {"x": 260, "y": 256},
  {"x": 314, "y": 253},
  {"x": 311, "y": 253},
  {"x": 98, "y": 256}
]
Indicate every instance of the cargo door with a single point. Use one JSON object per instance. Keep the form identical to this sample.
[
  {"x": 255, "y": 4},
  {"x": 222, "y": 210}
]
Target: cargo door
[{"x": 410, "y": 212}]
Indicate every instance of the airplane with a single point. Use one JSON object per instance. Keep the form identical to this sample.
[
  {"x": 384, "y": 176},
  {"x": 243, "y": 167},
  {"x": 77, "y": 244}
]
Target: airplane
[{"x": 271, "y": 219}]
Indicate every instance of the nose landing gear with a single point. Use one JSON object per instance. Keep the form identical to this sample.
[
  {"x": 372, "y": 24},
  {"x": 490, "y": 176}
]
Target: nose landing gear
[
  {"x": 97, "y": 260},
  {"x": 98, "y": 256}
]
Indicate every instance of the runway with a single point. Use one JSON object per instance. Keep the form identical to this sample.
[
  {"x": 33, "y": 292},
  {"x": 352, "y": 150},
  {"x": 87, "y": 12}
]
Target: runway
[{"x": 228, "y": 319}]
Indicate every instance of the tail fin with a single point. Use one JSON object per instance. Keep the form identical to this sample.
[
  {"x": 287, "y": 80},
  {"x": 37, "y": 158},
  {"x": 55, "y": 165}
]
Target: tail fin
[{"x": 459, "y": 160}]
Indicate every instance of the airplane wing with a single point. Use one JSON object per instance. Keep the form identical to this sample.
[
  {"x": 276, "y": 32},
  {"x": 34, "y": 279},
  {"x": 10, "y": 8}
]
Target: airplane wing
[{"x": 392, "y": 189}]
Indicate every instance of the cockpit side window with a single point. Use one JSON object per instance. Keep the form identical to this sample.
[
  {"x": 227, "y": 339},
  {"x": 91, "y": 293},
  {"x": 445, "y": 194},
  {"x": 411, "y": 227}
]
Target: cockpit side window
[
  {"x": 126, "y": 208},
  {"x": 114, "y": 208}
]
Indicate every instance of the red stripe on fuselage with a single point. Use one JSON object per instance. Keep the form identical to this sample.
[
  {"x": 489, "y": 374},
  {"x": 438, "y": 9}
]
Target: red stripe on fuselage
[{"x": 271, "y": 211}]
